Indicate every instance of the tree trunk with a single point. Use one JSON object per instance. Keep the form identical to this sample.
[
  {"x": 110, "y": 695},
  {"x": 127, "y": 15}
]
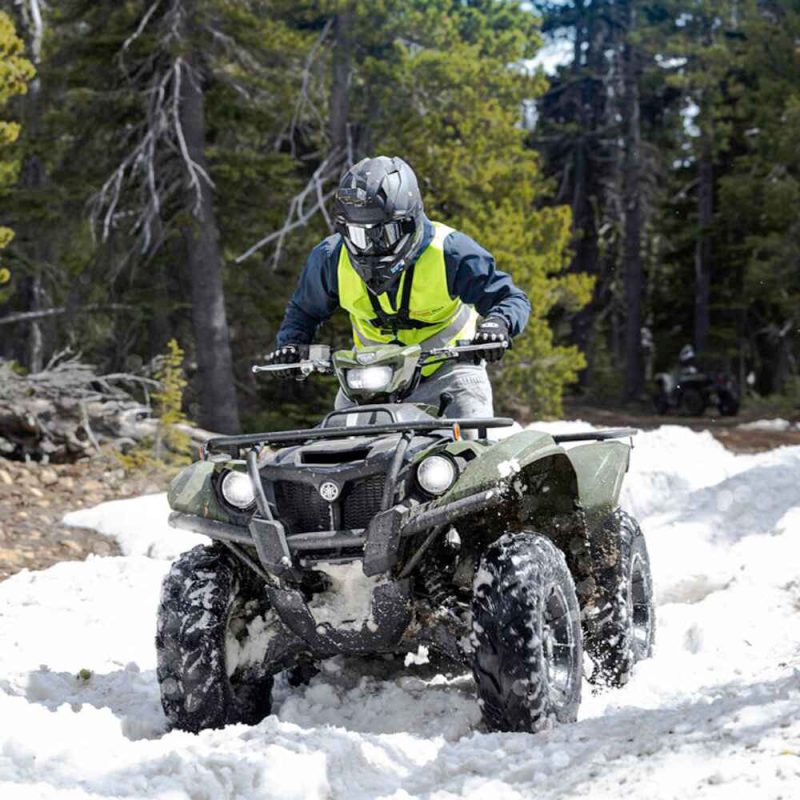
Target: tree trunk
[
  {"x": 218, "y": 407},
  {"x": 33, "y": 181},
  {"x": 632, "y": 205},
  {"x": 584, "y": 227},
  {"x": 703, "y": 252},
  {"x": 341, "y": 75}
]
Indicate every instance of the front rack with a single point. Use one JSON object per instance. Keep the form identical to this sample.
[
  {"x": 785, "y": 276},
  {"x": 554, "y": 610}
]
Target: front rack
[{"x": 226, "y": 443}]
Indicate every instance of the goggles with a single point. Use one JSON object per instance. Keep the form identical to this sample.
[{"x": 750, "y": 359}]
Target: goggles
[{"x": 380, "y": 238}]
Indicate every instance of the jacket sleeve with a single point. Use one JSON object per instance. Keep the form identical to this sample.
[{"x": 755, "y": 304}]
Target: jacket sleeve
[
  {"x": 316, "y": 296},
  {"x": 473, "y": 277}
]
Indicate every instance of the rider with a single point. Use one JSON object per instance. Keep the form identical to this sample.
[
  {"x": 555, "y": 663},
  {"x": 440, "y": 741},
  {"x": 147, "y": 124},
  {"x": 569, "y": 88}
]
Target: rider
[
  {"x": 404, "y": 279},
  {"x": 687, "y": 361}
]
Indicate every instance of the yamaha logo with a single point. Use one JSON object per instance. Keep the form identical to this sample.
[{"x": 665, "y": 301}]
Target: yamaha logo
[
  {"x": 329, "y": 491},
  {"x": 366, "y": 358}
]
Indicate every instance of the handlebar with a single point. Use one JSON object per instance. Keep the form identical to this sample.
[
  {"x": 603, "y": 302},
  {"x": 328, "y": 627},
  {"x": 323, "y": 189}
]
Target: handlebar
[
  {"x": 455, "y": 351},
  {"x": 319, "y": 358}
]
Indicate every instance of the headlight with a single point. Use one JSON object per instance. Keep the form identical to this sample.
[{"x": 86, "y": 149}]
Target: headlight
[
  {"x": 436, "y": 474},
  {"x": 237, "y": 489},
  {"x": 370, "y": 378}
]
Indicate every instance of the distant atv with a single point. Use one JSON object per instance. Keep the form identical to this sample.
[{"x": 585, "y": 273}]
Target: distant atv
[
  {"x": 690, "y": 393},
  {"x": 385, "y": 528}
]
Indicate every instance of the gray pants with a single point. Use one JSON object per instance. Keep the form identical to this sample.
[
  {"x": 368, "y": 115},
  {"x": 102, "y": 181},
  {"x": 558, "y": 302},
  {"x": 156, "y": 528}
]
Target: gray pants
[{"x": 468, "y": 383}]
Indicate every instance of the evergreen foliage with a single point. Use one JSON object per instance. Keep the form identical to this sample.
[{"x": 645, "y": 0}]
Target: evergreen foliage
[
  {"x": 695, "y": 199},
  {"x": 15, "y": 72},
  {"x": 717, "y": 83},
  {"x": 171, "y": 443}
]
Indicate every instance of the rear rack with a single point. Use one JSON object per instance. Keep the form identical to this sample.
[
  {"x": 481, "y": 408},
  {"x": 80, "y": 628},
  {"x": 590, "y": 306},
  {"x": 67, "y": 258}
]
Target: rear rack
[
  {"x": 596, "y": 436},
  {"x": 225, "y": 443}
]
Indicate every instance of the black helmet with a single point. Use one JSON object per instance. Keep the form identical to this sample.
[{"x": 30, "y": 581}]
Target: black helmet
[
  {"x": 687, "y": 354},
  {"x": 378, "y": 212}
]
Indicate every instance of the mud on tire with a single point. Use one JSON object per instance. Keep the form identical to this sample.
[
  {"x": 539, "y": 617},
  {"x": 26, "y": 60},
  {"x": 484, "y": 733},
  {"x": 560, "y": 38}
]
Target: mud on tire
[
  {"x": 619, "y": 625},
  {"x": 206, "y": 600},
  {"x": 526, "y": 635}
]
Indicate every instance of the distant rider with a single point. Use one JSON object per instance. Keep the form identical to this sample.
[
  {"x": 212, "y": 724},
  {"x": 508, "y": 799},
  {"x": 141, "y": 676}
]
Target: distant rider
[
  {"x": 687, "y": 361},
  {"x": 405, "y": 279}
]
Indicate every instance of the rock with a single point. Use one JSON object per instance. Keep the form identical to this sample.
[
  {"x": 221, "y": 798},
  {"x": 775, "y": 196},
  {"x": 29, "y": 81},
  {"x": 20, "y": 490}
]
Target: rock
[
  {"x": 37, "y": 493},
  {"x": 11, "y": 556},
  {"x": 47, "y": 477},
  {"x": 68, "y": 483},
  {"x": 71, "y": 545},
  {"x": 92, "y": 486},
  {"x": 114, "y": 476},
  {"x": 5, "y": 478}
]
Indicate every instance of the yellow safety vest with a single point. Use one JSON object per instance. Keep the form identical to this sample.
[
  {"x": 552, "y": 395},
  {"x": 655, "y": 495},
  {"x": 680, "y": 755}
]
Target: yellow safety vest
[{"x": 425, "y": 314}]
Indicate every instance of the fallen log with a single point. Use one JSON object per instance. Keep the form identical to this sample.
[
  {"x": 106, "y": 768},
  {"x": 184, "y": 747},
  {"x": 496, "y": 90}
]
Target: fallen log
[{"x": 68, "y": 411}]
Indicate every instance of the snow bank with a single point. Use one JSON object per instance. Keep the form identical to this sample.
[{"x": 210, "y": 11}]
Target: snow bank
[
  {"x": 713, "y": 715},
  {"x": 139, "y": 525},
  {"x": 776, "y": 425}
]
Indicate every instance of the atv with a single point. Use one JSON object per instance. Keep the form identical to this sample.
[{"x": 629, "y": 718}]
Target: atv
[
  {"x": 691, "y": 392},
  {"x": 389, "y": 527}
]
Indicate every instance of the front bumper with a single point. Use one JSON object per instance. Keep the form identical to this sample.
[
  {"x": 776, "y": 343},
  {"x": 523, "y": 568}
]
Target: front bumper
[{"x": 378, "y": 544}]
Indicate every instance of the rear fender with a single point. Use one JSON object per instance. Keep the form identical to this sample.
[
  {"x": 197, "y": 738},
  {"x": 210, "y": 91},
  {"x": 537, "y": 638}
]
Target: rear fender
[{"x": 600, "y": 468}]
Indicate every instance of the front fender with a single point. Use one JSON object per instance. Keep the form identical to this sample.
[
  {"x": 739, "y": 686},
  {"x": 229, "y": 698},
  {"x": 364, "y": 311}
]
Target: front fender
[
  {"x": 192, "y": 491},
  {"x": 500, "y": 465}
]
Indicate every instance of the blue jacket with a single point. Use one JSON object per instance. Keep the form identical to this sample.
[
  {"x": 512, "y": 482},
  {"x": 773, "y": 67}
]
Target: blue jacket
[{"x": 471, "y": 276}]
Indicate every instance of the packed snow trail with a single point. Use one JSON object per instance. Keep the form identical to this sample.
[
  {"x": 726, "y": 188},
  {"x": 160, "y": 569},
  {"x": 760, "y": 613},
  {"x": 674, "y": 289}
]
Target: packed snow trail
[{"x": 714, "y": 714}]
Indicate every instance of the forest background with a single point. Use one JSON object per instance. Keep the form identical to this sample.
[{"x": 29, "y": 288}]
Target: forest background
[{"x": 644, "y": 191}]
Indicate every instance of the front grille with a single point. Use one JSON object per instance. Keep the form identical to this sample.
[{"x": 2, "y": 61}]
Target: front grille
[
  {"x": 362, "y": 501},
  {"x": 301, "y": 508}
]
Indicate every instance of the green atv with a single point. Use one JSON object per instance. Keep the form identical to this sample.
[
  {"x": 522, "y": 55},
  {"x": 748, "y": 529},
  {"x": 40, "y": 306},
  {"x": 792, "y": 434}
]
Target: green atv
[{"x": 388, "y": 527}]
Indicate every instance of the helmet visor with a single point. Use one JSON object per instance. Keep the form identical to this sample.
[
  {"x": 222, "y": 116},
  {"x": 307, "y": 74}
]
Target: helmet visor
[{"x": 378, "y": 239}]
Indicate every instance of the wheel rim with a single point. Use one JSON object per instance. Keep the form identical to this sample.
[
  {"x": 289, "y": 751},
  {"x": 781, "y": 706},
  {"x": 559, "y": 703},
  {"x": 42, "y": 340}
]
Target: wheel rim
[
  {"x": 641, "y": 610},
  {"x": 558, "y": 646}
]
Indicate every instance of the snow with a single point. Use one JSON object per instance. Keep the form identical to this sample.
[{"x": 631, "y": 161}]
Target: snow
[
  {"x": 139, "y": 526},
  {"x": 714, "y": 714},
  {"x": 347, "y": 602},
  {"x": 776, "y": 425}
]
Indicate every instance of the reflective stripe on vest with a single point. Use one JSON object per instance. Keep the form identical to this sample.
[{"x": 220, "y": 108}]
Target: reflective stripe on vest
[{"x": 446, "y": 319}]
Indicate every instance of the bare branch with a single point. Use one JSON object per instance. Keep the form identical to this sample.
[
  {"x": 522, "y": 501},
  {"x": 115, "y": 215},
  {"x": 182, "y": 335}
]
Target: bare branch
[
  {"x": 298, "y": 216},
  {"x": 303, "y": 99},
  {"x": 31, "y": 316},
  {"x": 142, "y": 25}
]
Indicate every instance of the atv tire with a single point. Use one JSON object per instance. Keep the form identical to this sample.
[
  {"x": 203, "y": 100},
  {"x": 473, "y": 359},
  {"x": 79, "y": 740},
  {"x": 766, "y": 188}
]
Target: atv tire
[
  {"x": 619, "y": 625},
  {"x": 660, "y": 404},
  {"x": 692, "y": 403},
  {"x": 206, "y": 599},
  {"x": 526, "y": 635},
  {"x": 728, "y": 404}
]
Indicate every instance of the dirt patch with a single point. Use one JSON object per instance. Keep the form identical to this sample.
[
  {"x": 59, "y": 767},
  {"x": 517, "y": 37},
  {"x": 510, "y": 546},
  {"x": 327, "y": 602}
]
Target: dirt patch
[{"x": 35, "y": 497}]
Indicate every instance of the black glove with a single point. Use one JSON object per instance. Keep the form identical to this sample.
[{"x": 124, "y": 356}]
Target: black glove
[
  {"x": 493, "y": 330},
  {"x": 288, "y": 354}
]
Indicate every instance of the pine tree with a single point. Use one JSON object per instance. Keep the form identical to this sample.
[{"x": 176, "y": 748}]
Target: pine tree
[{"x": 160, "y": 202}]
